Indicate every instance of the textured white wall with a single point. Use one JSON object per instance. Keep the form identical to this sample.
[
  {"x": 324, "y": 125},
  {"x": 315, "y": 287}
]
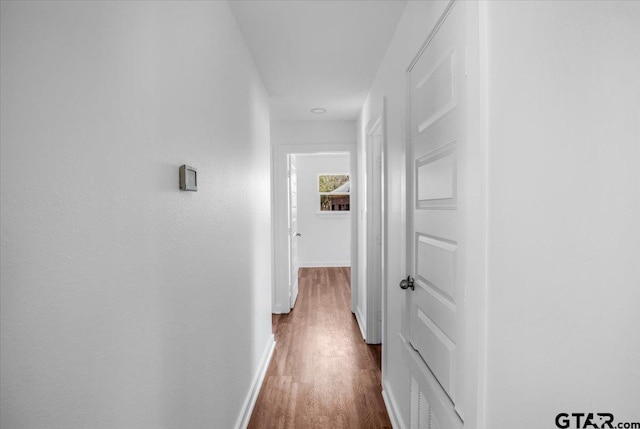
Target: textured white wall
[
  {"x": 564, "y": 187},
  {"x": 119, "y": 290},
  {"x": 313, "y": 132},
  {"x": 326, "y": 238}
]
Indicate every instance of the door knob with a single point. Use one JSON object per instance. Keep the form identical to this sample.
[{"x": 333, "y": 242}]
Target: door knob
[
  {"x": 407, "y": 283},
  {"x": 298, "y": 234}
]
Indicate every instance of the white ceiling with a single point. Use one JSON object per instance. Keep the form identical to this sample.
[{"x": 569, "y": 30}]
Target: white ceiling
[{"x": 317, "y": 53}]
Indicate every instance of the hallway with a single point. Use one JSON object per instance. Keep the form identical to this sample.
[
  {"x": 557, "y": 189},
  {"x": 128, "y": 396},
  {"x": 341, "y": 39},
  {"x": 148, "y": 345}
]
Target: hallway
[
  {"x": 493, "y": 178},
  {"x": 322, "y": 375}
]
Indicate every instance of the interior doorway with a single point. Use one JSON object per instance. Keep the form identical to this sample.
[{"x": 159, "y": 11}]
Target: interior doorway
[
  {"x": 319, "y": 201},
  {"x": 314, "y": 215}
]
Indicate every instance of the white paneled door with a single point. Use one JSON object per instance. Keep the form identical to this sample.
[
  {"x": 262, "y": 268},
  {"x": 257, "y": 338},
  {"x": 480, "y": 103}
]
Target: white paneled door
[
  {"x": 294, "y": 234},
  {"x": 434, "y": 314}
]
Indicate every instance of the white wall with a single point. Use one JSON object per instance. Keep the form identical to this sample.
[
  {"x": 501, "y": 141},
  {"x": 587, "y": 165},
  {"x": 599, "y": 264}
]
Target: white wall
[
  {"x": 117, "y": 288},
  {"x": 564, "y": 187},
  {"x": 313, "y": 132},
  {"x": 325, "y": 240},
  {"x": 390, "y": 84}
]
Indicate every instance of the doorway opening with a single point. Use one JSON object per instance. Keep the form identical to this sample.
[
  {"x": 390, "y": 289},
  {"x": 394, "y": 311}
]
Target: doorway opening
[
  {"x": 314, "y": 215},
  {"x": 319, "y": 216}
]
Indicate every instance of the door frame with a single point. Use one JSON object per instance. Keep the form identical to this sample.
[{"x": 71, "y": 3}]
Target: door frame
[
  {"x": 376, "y": 218},
  {"x": 280, "y": 291}
]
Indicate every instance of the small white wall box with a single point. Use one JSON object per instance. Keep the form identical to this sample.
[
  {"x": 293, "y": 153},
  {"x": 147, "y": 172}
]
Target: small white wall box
[{"x": 188, "y": 178}]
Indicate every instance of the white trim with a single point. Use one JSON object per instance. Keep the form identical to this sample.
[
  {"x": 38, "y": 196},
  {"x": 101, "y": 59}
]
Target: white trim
[
  {"x": 376, "y": 196},
  {"x": 279, "y": 309},
  {"x": 324, "y": 264},
  {"x": 361, "y": 325},
  {"x": 483, "y": 140},
  {"x": 274, "y": 212},
  {"x": 294, "y": 289},
  {"x": 254, "y": 390},
  {"x": 391, "y": 405},
  {"x": 294, "y": 297},
  {"x": 432, "y": 34}
]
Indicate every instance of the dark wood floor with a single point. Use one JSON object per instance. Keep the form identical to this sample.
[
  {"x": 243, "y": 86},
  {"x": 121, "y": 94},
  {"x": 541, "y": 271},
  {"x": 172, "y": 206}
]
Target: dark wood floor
[{"x": 322, "y": 375}]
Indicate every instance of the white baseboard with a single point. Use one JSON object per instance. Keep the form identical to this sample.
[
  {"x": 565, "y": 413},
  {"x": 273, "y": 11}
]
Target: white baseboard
[
  {"x": 254, "y": 390},
  {"x": 360, "y": 319},
  {"x": 324, "y": 264},
  {"x": 392, "y": 407}
]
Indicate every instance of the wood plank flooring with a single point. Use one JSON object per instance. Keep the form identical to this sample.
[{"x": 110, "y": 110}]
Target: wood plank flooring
[{"x": 322, "y": 374}]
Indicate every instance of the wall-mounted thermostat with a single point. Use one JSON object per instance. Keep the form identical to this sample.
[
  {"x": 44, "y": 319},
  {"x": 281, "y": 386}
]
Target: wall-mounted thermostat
[{"x": 188, "y": 178}]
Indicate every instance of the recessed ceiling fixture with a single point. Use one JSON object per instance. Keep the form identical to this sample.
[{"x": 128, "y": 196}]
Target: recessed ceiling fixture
[{"x": 319, "y": 110}]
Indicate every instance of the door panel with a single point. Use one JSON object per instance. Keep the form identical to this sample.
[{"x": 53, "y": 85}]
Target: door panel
[
  {"x": 435, "y": 266},
  {"x": 436, "y": 178},
  {"x": 435, "y": 89},
  {"x": 435, "y": 315}
]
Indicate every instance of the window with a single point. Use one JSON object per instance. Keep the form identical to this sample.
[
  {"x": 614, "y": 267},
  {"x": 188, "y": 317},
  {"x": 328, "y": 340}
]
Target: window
[{"x": 334, "y": 192}]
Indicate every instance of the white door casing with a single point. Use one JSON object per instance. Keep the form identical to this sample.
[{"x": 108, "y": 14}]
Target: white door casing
[
  {"x": 294, "y": 234},
  {"x": 444, "y": 224},
  {"x": 375, "y": 201}
]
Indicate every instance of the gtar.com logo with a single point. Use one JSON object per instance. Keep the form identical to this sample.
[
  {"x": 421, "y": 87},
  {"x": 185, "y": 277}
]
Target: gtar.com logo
[
  {"x": 584, "y": 420},
  {"x": 591, "y": 421}
]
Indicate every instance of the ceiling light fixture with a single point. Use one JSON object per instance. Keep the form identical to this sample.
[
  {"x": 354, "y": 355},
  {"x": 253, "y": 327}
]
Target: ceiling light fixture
[{"x": 319, "y": 110}]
